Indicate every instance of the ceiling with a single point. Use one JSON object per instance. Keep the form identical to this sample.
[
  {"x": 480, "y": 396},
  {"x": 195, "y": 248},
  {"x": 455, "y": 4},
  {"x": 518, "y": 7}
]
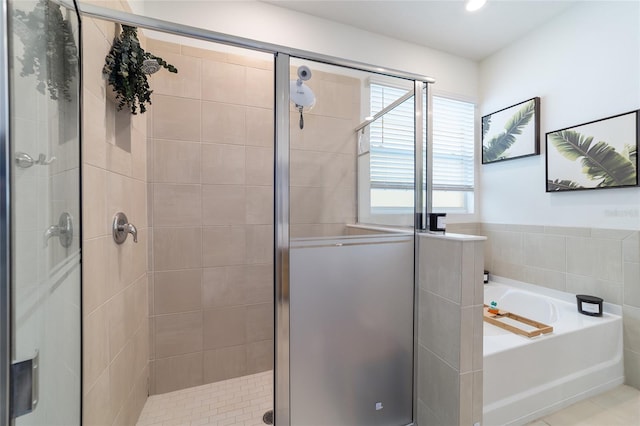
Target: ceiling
[{"x": 444, "y": 25}]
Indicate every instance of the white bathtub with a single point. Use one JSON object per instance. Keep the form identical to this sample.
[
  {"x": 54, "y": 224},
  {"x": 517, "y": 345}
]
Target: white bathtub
[{"x": 526, "y": 378}]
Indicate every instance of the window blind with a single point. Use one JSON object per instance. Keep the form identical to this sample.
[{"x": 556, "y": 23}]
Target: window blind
[
  {"x": 453, "y": 143},
  {"x": 392, "y": 142}
]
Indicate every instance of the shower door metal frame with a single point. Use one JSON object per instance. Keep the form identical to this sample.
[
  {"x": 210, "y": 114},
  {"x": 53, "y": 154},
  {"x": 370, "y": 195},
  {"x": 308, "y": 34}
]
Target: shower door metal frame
[
  {"x": 282, "y": 55},
  {"x": 5, "y": 221}
]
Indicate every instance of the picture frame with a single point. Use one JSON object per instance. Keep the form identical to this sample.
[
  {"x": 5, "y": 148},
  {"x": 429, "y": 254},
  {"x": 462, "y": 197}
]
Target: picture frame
[
  {"x": 512, "y": 132},
  {"x": 599, "y": 154}
]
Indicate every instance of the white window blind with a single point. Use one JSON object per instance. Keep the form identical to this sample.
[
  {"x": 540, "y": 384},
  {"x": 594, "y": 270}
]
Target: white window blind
[
  {"x": 391, "y": 140},
  {"x": 453, "y": 143}
]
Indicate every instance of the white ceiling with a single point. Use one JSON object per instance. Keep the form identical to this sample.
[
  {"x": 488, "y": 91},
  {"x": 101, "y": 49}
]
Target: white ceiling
[{"x": 440, "y": 24}]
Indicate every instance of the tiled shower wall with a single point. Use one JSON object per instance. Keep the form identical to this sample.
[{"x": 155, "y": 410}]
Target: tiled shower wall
[
  {"x": 600, "y": 262},
  {"x": 323, "y": 157},
  {"x": 211, "y": 208},
  {"x": 115, "y": 323}
]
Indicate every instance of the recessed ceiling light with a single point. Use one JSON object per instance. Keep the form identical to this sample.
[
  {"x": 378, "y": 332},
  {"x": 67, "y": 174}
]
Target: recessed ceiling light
[{"x": 473, "y": 5}]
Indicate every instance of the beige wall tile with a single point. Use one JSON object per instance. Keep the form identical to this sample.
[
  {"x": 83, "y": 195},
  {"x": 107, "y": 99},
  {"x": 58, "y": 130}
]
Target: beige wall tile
[
  {"x": 439, "y": 327},
  {"x": 631, "y": 327},
  {"x": 259, "y": 205},
  {"x": 94, "y": 151},
  {"x": 259, "y": 126},
  {"x": 223, "y": 164},
  {"x": 223, "y": 123},
  {"x": 95, "y": 346},
  {"x": 259, "y": 244},
  {"x": 221, "y": 287},
  {"x": 598, "y": 258},
  {"x": 546, "y": 278},
  {"x": 94, "y": 201},
  {"x": 176, "y": 118},
  {"x": 631, "y": 248},
  {"x": 223, "y": 204},
  {"x": 176, "y": 161},
  {"x": 632, "y": 284},
  {"x": 119, "y": 310},
  {"x": 259, "y": 86},
  {"x": 507, "y": 247},
  {"x": 232, "y": 91},
  {"x": 259, "y": 166},
  {"x": 186, "y": 83},
  {"x": 177, "y": 248},
  {"x": 438, "y": 387},
  {"x": 225, "y": 363},
  {"x": 178, "y": 372},
  {"x": 225, "y": 327},
  {"x": 223, "y": 245},
  {"x": 631, "y": 370},
  {"x": 97, "y": 408},
  {"x": 259, "y": 322},
  {"x": 178, "y": 334},
  {"x": 260, "y": 356},
  {"x": 94, "y": 273},
  {"x": 177, "y": 205},
  {"x": 259, "y": 283},
  {"x": 610, "y": 291},
  {"x": 177, "y": 291},
  {"x": 121, "y": 376},
  {"x": 545, "y": 251},
  {"x": 441, "y": 273}
]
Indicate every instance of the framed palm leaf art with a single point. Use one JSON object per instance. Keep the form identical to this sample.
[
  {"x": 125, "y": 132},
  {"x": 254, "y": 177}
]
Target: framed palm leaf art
[
  {"x": 512, "y": 132},
  {"x": 595, "y": 155}
]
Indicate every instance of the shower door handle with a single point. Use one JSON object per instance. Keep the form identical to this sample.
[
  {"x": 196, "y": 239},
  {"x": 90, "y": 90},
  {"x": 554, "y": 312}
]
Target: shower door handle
[{"x": 24, "y": 386}]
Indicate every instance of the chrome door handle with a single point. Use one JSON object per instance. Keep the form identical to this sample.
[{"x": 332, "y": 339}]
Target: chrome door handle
[{"x": 63, "y": 230}]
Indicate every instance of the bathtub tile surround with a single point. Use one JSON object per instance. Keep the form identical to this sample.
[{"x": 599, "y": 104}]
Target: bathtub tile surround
[
  {"x": 600, "y": 262},
  {"x": 450, "y": 329},
  {"x": 115, "y": 323},
  {"x": 211, "y": 150}
]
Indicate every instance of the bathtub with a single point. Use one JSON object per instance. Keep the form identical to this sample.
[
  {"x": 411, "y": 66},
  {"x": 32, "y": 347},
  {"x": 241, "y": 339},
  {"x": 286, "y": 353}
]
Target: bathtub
[{"x": 527, "y": 378}]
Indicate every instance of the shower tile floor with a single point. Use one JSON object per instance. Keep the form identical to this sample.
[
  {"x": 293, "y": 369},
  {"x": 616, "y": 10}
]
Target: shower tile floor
[
  {"x": 236, "y": 402},
  {"x": 244, "y": 400},
  {"x": 617, "y": 407}
]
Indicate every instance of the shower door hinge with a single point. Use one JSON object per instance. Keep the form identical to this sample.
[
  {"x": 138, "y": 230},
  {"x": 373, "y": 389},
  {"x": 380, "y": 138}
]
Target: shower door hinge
[{"x": 24, "y": 386}]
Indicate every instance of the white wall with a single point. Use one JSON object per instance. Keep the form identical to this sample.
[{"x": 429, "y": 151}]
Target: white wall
[
  {"x": 584, "y": 65},
  {"x": 268, "y": 23}
]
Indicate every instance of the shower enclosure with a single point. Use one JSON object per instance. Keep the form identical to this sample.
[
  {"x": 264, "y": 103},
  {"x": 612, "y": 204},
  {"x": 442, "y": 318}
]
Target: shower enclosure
[
  {"x": 266, "y": 253},
  {"x": 40, "y": 215}
]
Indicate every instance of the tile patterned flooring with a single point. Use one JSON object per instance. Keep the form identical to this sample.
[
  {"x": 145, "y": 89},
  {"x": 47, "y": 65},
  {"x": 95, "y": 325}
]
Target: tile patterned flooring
[
  {"x": 617, "y": 407},
  {"x": 243, "y": 401},
  {"x": 235, "y": 402}
]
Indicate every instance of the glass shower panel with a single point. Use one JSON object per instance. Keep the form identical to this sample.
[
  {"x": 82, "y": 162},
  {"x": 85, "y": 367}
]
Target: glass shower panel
[
  {"x": 44, "y": 118},
  {"x": 351, "y": 283}
]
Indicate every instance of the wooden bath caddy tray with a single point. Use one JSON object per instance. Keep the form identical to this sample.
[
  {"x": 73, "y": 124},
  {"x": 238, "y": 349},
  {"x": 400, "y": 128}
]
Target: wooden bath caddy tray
[{"x": 495, "y": 319}]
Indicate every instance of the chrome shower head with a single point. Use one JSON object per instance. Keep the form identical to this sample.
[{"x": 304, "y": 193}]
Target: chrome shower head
[{"x": 150, "y": 66}]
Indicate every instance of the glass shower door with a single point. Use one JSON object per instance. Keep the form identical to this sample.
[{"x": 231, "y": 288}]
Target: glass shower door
[
  {"x": 351, "y": 283},
  {"x": 44, "y": 193}
]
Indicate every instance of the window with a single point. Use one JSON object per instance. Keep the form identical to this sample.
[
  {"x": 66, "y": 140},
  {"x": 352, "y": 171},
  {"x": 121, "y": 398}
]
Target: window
[
  {"x": 453, "y": 147},
  {"x": 392, "y": 152},
  {"x": 391, "y": 162}
]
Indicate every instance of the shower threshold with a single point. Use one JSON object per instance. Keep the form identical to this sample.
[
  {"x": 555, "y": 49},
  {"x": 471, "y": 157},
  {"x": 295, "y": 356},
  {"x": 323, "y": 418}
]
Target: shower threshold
[{"x": 241, "y": 401}]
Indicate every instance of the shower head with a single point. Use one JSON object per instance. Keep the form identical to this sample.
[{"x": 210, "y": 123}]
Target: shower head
[
  {"x": 150, "y": 66},
  {"x": 301, "y": 94}
]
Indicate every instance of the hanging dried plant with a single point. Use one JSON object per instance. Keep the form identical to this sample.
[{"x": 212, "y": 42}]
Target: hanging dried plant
[
  {"x": 50, "y": 51},
  {"x": 124, "y": 69}
]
